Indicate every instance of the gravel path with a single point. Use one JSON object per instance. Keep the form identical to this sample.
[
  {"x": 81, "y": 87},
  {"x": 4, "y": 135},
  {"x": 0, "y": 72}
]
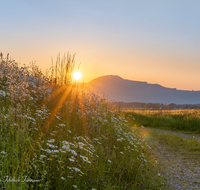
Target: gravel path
[{"x": 180, "y": 168}]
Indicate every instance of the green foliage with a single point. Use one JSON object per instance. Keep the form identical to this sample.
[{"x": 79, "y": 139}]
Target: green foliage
[{"x": 185, "y": 120}]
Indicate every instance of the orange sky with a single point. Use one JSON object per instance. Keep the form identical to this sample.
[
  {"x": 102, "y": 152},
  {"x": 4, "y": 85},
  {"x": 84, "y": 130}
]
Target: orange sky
[{"x": 152, "y": 41}]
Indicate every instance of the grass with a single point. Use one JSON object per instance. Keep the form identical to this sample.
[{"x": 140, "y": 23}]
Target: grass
[
  {"x": 55, "y": 136},
  {"x": 177, "y": 142},
  {"x": 182, "y": 120}
]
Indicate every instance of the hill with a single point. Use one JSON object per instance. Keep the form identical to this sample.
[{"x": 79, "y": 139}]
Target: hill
[{"x": 116, "y": 88}]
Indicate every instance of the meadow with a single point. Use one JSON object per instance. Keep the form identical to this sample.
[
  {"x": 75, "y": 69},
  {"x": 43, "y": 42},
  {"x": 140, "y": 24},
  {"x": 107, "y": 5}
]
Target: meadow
[
  {"x": 180, "y": 120},
  {"x": 55, "y": 136}
]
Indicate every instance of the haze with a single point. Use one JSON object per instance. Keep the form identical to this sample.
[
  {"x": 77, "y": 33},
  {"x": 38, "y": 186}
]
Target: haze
[{"x": 153, "y": 41}]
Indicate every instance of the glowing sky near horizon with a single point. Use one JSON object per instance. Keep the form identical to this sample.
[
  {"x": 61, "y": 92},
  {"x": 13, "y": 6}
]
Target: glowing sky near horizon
[{"x": 144, "y": 40}]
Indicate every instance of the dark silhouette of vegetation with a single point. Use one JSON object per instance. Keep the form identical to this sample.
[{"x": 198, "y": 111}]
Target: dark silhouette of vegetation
[{"x": 152, "y": 106}]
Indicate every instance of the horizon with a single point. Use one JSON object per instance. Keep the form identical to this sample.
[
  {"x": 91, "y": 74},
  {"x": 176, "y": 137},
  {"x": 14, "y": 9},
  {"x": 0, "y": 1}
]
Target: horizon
[{"x": 152, "y": 41}]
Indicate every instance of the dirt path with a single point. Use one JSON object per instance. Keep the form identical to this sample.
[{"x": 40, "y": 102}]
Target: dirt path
[
  {"x": 180, "y": 167},
  {"x": 182, "y": 134}
]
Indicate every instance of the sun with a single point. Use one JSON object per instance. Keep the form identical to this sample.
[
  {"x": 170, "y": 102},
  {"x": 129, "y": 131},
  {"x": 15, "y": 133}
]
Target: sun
[{"x": 77, "y": 75}]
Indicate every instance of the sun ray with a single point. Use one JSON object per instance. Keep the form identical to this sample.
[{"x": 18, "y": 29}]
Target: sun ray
[{"x": 60, "y": 103}]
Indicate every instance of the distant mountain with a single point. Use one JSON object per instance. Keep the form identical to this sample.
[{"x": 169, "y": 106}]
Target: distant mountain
[{"x": 116, "y": 88}]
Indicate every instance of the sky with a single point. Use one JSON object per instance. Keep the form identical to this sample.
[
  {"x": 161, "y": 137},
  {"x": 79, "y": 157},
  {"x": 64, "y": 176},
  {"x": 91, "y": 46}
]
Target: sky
[{"x": 156, "y": 41}]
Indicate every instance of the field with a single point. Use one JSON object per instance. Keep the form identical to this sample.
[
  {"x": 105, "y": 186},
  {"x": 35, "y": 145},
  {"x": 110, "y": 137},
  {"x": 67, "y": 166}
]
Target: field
[
  {"x": 181, "y": 120},
  {"x": 55, "y": 136},
  {"x": 173, "y": 140}
]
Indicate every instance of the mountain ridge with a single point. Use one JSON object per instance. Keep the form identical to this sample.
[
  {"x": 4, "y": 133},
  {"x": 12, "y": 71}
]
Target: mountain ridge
[{"x": 118, "y": 89}]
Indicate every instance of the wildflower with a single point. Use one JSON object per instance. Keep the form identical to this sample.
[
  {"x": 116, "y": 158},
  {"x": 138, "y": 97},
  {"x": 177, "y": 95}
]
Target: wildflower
[
  {"x": 75, "y": 186},
  {"x": 80, "y": 144},
  {"x": 62, "y": 151},
  {"x": 84, "y": 158},
  {"x": 62, "y": 125},
  {"x": 65, "y": 146},
  {"x": 50, "y": 145},
  {"x": 72, "y": 160},
  {"x": 42, "y": 156},
  {"x": 40, "y": 185},
  {"x": 77, "y": 170},
  {"x": 54, "y": 155},
  {"x": 2, "y": 93},
  {"x": 62, "y": 178},
  {"x": 74, "y": 152},
  {"x": 48, "y": 151},
  {"x": 109, "y": 161},
  {"x": 58, "y": 117},
  {"x": 51, "y": 140},
  {"x": 65, "y": 142}
]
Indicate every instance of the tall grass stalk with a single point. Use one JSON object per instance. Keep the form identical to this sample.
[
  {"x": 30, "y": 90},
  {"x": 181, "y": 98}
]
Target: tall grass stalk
[{"x": 62, "y": 70}]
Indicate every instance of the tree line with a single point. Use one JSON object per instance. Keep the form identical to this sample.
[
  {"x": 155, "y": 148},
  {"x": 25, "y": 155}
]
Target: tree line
[{"x": 152, "y": 106}]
